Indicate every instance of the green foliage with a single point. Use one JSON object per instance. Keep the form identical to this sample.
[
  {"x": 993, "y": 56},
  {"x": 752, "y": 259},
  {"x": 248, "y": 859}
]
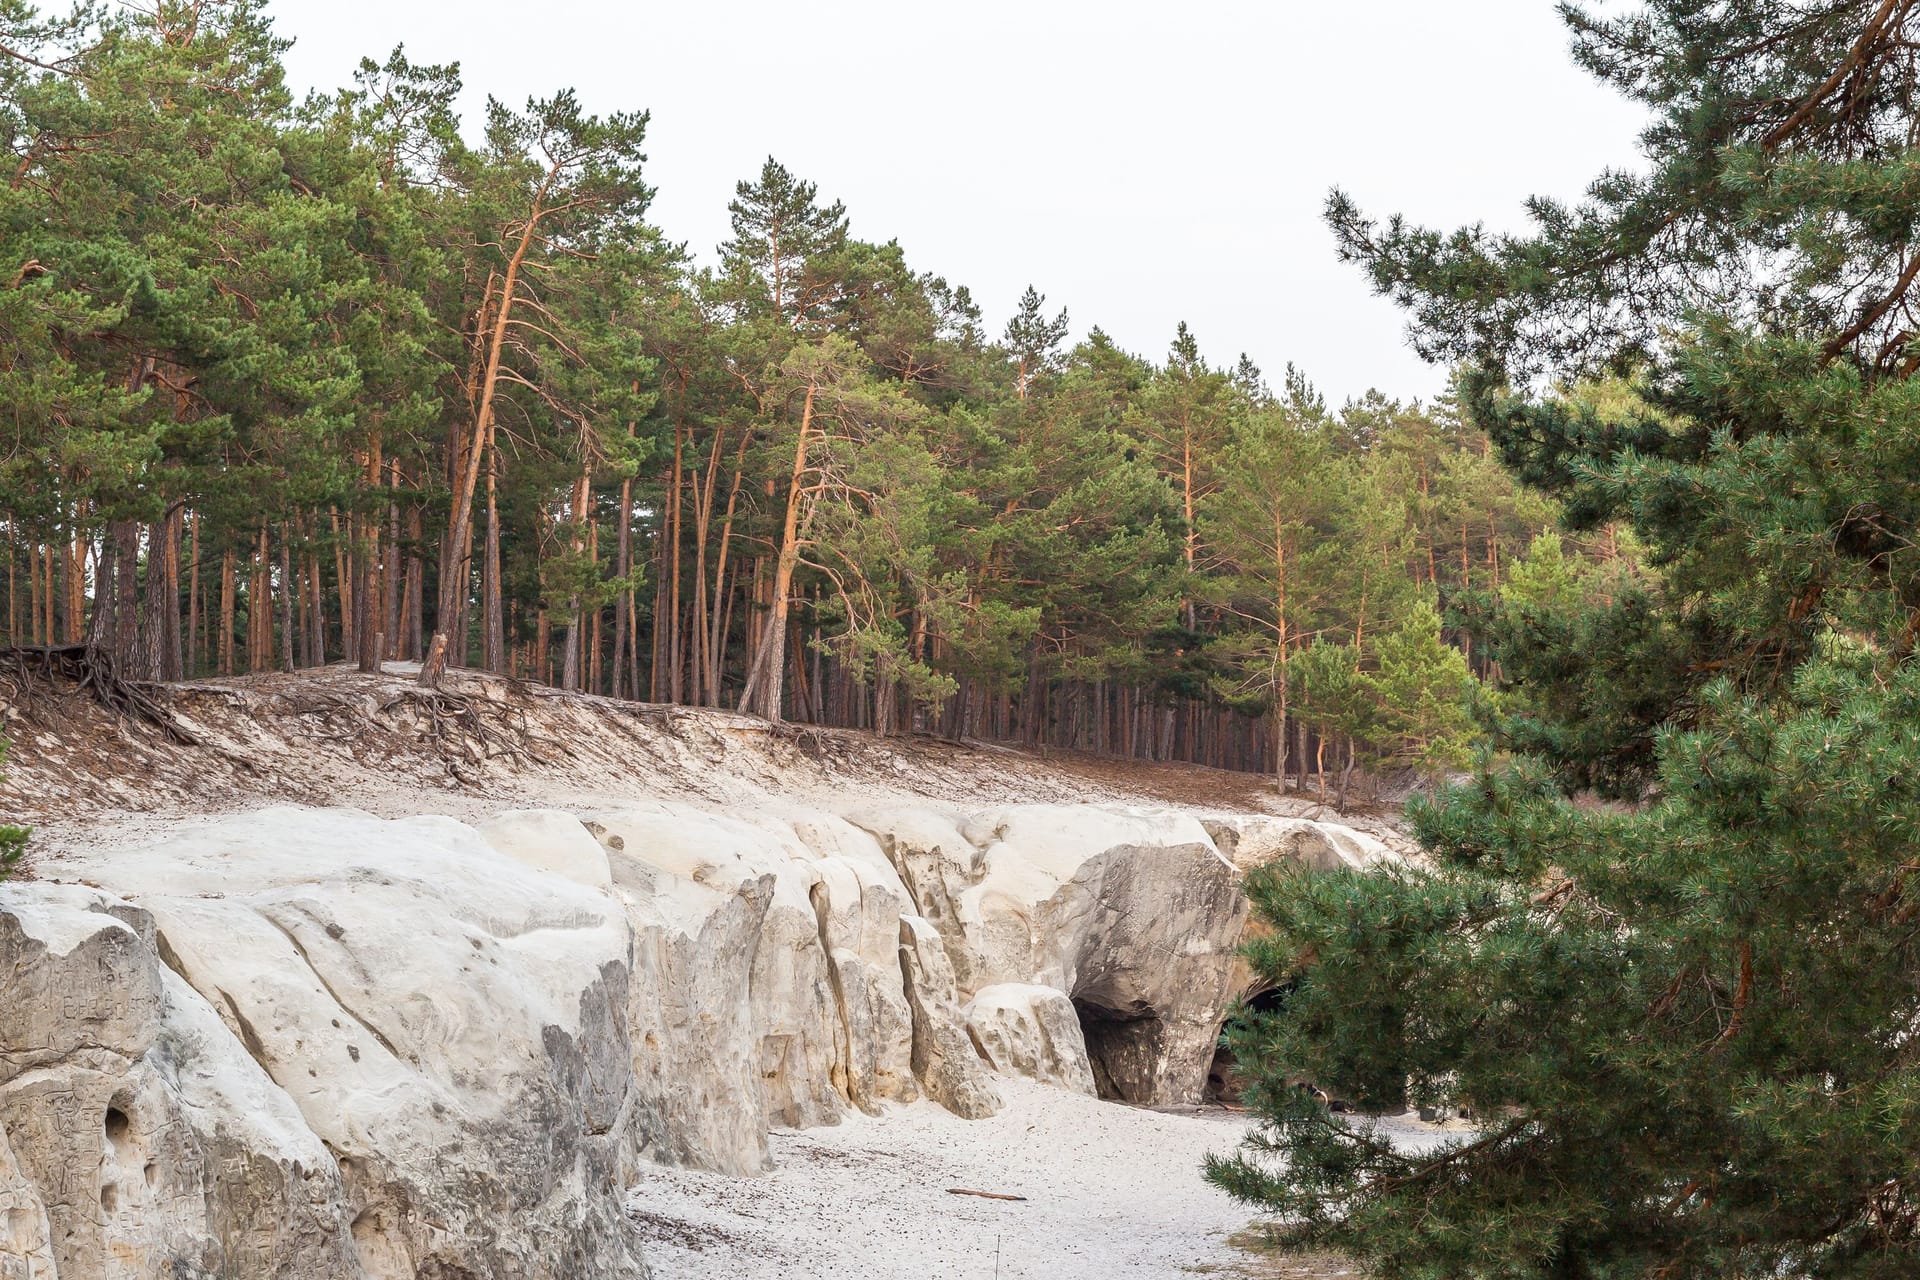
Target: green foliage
[
  {"x": 13, "y": 840},
  {"x": 268, "y": 361},
  {"x": 1683, "y": 1018}
]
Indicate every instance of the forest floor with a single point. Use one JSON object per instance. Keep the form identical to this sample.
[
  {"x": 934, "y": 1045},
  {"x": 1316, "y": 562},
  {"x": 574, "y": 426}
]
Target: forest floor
[{"x": 378, "y": 742}]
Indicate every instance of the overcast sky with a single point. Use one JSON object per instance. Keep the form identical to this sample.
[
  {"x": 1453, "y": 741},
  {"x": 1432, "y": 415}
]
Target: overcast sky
[{"x": 1140, "y": 164}]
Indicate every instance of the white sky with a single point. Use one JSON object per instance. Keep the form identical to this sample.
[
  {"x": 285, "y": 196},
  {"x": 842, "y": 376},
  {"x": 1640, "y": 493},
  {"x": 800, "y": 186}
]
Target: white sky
[{"x": 1139, "y": 163}]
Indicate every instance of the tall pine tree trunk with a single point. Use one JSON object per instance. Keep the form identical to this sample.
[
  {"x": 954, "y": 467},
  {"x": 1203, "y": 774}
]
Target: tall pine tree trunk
[
  {"x": 722, "y": 601},
  {"x": 572, "y": 665},
  {"x": 366, "y": 572},
  {"x": 764, "y": 693},
  {"x": 461, "y": 517},
  {"x": 288, "y": 636},
  {"x": 671, "y": 588},
  {"x": 191, "y": 664},
  {"x": 228, "y": 572},
  {"x": 391, "y": 570},
  {"x": 164, "y": 658},
  {"x": 623, "y": 606},
  {"x": 493, "y": 622},
  {"x": 343, "y": 584}
]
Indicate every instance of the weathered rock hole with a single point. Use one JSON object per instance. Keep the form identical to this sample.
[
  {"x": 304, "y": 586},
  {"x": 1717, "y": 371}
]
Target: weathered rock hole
[
  {"x": 151, "y": 1173},
  {"x": 109, "y": 1198},
  {"x": 1122, "y": 1048},
  {"x": 119, "y": 1128}
]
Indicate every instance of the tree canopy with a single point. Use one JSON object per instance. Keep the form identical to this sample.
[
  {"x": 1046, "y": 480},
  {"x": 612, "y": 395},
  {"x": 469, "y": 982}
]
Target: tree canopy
[
  {"x": 291, "y": 382},
  {"x": 1664, "y": 954}
]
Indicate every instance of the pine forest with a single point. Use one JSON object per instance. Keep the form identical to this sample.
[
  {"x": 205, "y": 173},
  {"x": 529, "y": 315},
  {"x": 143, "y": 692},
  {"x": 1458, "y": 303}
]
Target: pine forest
[{"x": 350, "y": 379}]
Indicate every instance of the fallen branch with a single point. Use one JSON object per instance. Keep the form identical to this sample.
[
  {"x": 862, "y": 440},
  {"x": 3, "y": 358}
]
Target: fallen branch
[{"x": 984, "y": 1195}]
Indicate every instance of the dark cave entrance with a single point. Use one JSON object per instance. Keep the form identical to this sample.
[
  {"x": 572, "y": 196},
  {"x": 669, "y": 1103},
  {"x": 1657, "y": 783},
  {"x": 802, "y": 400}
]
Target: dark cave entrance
[
  {"x": 1123, "y": 1046},
  {"x": 1224, "y": 1081}
]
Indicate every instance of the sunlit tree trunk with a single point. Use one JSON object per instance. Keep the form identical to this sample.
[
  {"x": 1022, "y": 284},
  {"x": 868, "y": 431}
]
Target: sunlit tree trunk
[{"x": 765, "y": 683}]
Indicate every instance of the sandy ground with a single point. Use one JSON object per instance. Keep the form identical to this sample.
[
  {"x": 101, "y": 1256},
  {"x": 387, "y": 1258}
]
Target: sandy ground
[{"x": 1113, "y": 1192}]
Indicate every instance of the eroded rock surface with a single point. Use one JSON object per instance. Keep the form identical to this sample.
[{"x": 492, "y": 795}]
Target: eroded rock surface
[
  {"x": 1022, "y": 1029},
  {"x": 943, "y": 1054},
  {"x": 1254, "y": 840},
  {"x": 306, "y": 1042},
  {"x": 1133, "y": 913},
  {"x": 137, "y": 1136}
]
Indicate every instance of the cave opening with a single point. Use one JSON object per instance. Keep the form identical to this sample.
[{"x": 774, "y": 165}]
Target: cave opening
[{"x": 1123, "y": 1048}]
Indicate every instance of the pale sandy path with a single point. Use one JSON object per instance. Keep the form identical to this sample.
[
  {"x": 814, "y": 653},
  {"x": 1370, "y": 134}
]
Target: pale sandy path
[{"x": 1115, "y": 1193}]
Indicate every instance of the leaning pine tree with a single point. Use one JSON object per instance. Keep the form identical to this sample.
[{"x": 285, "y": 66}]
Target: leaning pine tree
[{"x": 1687, "y": 1021}]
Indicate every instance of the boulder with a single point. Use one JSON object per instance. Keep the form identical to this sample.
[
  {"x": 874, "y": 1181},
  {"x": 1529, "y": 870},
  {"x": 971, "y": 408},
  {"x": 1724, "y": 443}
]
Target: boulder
[
  {"x": 449, "y": 1024},
  {"x": 137, "y": 1137},
  {"x": 1026, "y": 1030}
]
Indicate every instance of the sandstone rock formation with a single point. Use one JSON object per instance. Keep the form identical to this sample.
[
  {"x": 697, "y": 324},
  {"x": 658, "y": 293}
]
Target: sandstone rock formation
[
  {"x": 1254, "y": 840},
  {"x": 943, "y": 1054},
  {"x": 137, "y": 1137},
  {"x": 1026, "y": 1030},
  {"x": 1132, "y": 913},
  {"x": 305, "y": 1042}
]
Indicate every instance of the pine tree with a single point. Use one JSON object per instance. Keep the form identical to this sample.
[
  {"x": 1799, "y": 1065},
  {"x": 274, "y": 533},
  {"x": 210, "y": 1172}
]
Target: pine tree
[
  {"x": 1269, "y": 521},
  {"x": 1683, "y": 1022},
  {"x": 564, "y": 198},
  {"x": 276, "y": 393},
  {"x": 782, "y": 236},
  {"x": 1033, "y": 340}
]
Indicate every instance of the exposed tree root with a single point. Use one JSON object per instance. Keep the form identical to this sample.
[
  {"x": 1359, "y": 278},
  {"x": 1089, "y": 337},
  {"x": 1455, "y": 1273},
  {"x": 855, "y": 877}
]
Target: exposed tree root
[
  {"x": 455, "y": 723},
  {"x": 32, "y": 674},
  {"x": 465, "y": 731}
]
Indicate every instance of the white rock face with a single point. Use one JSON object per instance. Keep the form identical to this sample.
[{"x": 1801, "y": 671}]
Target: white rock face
[
  {"x": 139, "y": 1139},
  {"x": 1133, "y": 913},
  {"x": 678, "y": 867},
  {"x": 1026, "y": 1030},
  {"x": 943, "y": 1055},
  {"x": 305, "y": 1042},
  {"x": 428, "y": 1036},
  {"x": 550, "y": 840},
  {"x": 859, "y": 902},
  {"x": 696, "y": 911},
  {"x": 26, "y": 1237},
  {"x": 1254, "y": 840}
]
